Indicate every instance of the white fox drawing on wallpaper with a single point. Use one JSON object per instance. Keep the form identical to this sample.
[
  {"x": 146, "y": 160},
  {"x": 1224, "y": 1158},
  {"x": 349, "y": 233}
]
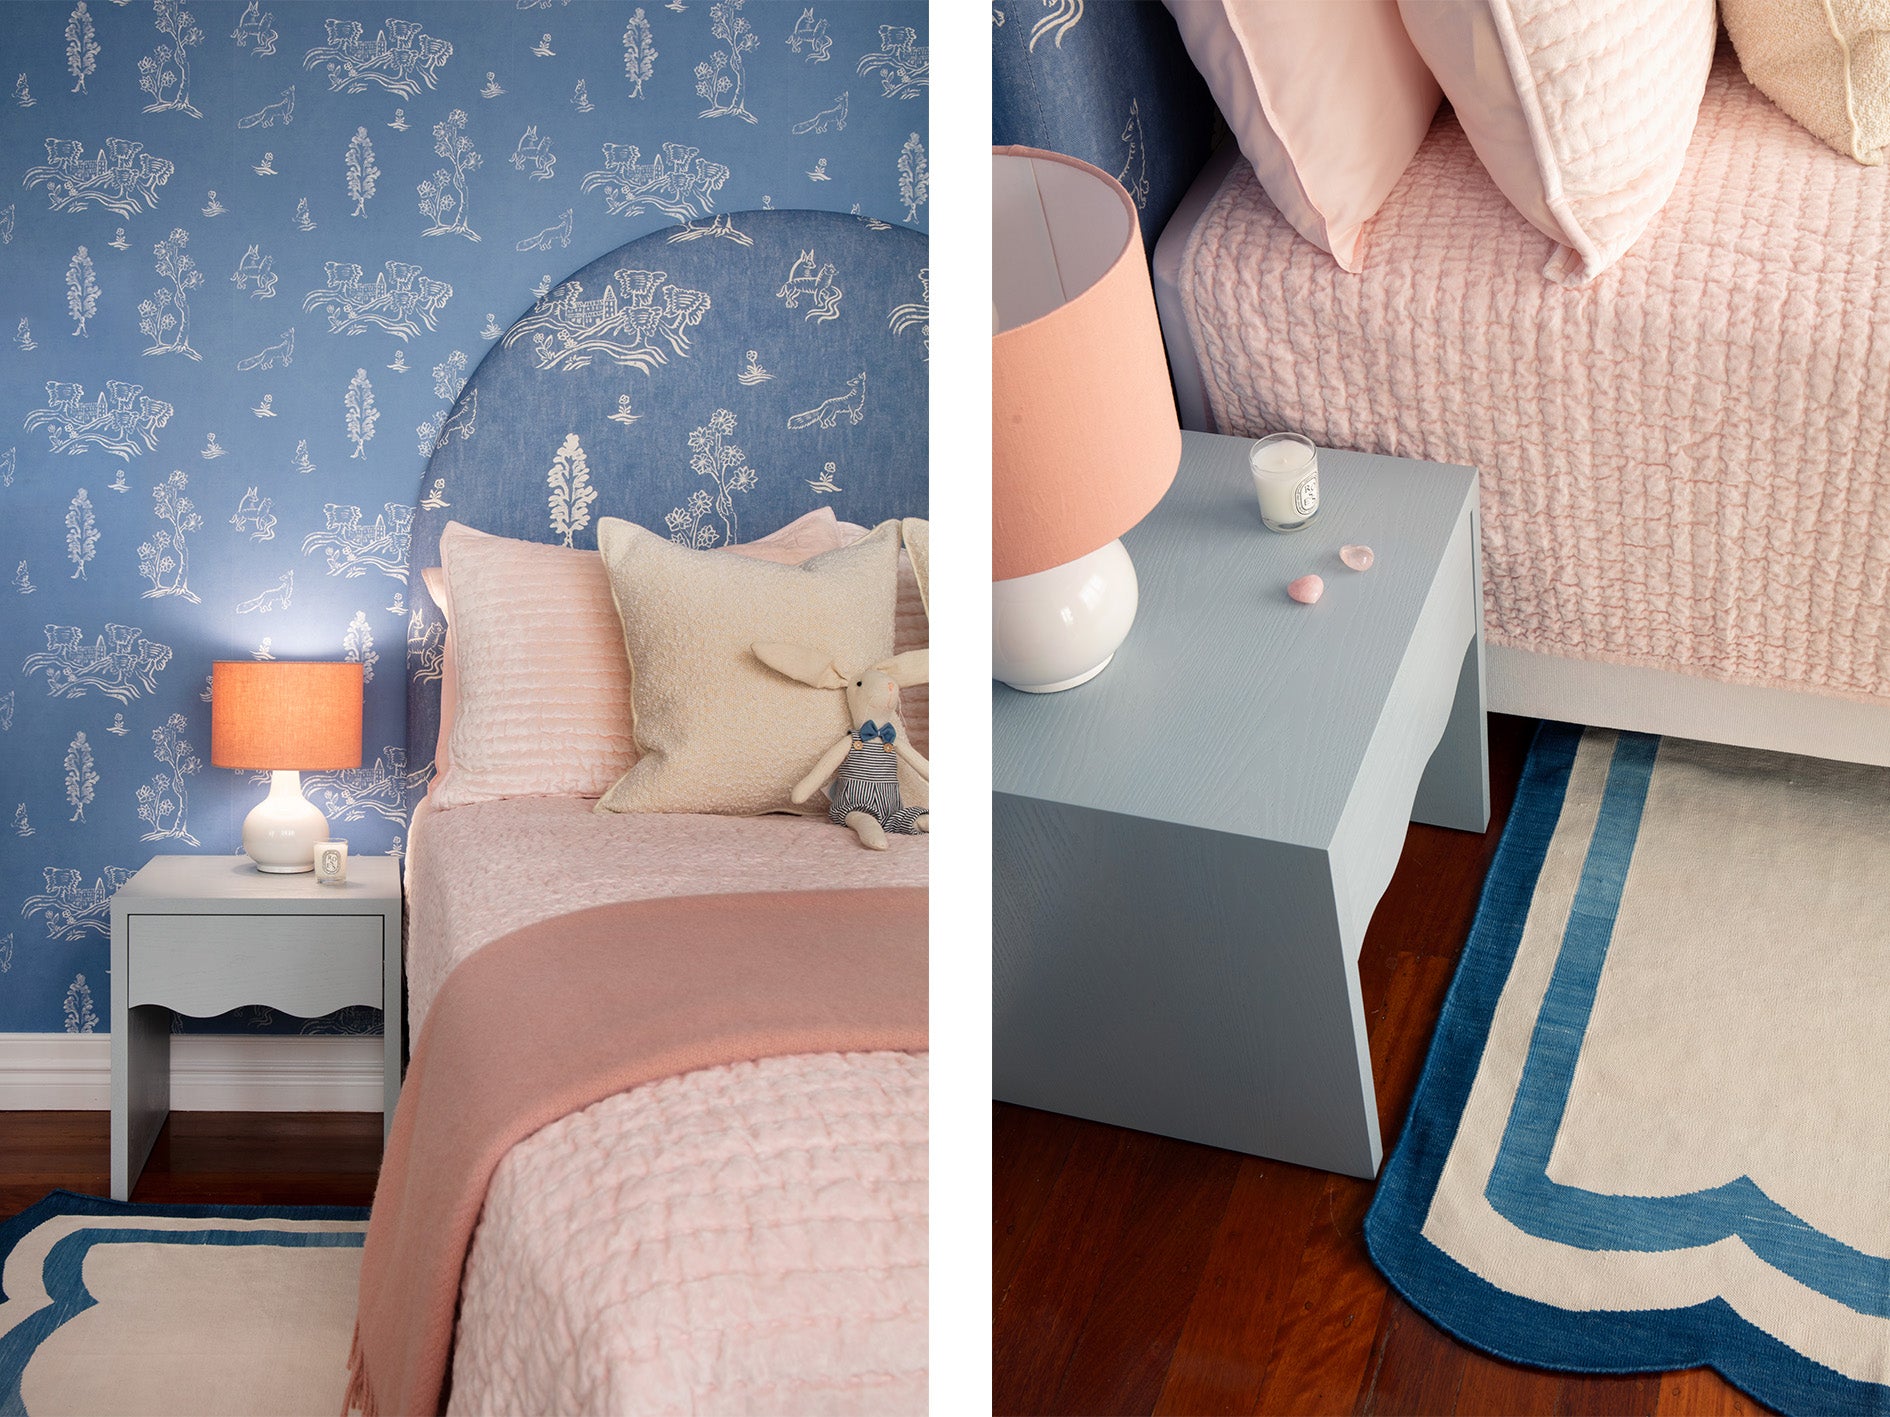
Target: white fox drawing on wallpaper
[
  {"x": 559, "y": 231},
  {"x": 256, "y": 274},
  {"x": 810, "y": 37},
  {"x": 256, "y": 29},
  {"x": 282, "y": 352},
  {"x": 277, "y": 597},
  {"x": 282, "y": 110},
  {"x": 828, "y": 412},
  {"x": 815, "y": 283},
  {"x": 533, "y": 156},
  {"x": 834, "y": 118}
]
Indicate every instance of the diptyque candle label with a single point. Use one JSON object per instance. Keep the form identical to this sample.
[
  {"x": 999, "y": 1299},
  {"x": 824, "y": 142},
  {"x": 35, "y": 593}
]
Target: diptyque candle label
[{"x": 1306, "y": 494}]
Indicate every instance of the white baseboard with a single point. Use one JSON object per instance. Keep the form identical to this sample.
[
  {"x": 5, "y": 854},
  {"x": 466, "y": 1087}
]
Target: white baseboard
[{"x": 42, "y": 1072}]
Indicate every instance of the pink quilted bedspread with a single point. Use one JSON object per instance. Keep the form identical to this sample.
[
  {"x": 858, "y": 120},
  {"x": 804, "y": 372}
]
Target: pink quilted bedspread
[
  {"x": 1686, "y": 463},
  {"x": 748, "y": 1238}
]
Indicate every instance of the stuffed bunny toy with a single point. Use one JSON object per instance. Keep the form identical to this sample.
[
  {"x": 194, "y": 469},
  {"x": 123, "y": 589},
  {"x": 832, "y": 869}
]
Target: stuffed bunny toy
[{"x": 864, "y": 765}]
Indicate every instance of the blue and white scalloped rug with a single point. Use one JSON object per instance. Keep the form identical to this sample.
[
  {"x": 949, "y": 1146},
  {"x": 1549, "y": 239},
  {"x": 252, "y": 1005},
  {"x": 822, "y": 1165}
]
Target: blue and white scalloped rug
[
  {"x": 106, "y": 1307},
  {"x": 1653, "y": 1132}
]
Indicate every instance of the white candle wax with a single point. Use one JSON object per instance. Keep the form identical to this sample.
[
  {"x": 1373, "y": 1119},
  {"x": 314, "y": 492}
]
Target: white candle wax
[{"x": 1286, "y": 479}]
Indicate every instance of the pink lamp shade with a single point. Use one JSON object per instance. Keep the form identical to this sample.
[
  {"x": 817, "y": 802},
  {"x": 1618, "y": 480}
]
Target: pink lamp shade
[
  {"x": 1084, "y": 435},
  {"x": 283, "y": 714}
]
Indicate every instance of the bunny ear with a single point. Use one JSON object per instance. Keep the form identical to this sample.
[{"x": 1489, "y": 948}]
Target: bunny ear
[
  {"x": 808, "y": 666},
  {"x": 912, "y": 667}
]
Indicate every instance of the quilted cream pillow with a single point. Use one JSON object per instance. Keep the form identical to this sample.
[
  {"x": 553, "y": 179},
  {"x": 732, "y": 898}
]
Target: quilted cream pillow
[
  {"x": 1825, "y": 62},
  {"x": 716, "y": 730}
]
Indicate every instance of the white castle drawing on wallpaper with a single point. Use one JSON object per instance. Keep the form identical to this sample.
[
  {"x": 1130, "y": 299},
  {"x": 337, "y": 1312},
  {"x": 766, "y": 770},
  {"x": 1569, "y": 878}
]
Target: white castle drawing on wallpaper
[
  {"x": 559, "y": 231},
  {"x": 353, "y": 549},
  {"x": 164, "y": 802},
  {"x": 165, "y": 73},
  {"x": 277, "y": 597},
  {"x": 721, "y": 78},
  {"x": 808, "y": 280},
  {"x": 72, "y": 909},
  {"x": 916, "y": 312},
  {"x": 164, "y": 560},
  {"x": 827, "y": 413},
  {"x": 283, "y": 110},
  {"x": 915, "y": 176},
  {"x": 400, "y": 58},
  {"x": 569, "y": 503},
  {"x": 121, "y": 663},
  {"x": 81, "y": 777},
  {"x": 678, "y": 182},
  {"x": 256, "y": 515},
  {"x": 721, "y": 226},
  {"x": 256, "y": 29},
  {"x": 711, "y": 455},
  {"x": 533, "y": 156},
  {"x": 165, "y": 317},
  {"x": 384, "y": 788},
  {"x": 401, "y": 299},
  {"x": 357, "y": 646},
  {"x": 282, "y": 352},
  {"x": 903, "y": 64},
  {"x": 810, "y": 36},
  {"x": 123, "y": 420},
  {"x": 122, "y": 177},
  {"x": 628, "y": 324}
]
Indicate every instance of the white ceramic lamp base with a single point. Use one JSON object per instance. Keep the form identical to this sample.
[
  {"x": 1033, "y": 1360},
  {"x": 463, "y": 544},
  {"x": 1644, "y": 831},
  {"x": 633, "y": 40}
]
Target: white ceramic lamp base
[
  {"x": 280, "y": 833},
  {"x": 1061, "y": 627}
]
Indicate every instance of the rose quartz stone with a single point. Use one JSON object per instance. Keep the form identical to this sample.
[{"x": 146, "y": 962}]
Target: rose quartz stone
[
  {"x": 1359, "y": 558},
  {"x": 1307, "y": 589}
]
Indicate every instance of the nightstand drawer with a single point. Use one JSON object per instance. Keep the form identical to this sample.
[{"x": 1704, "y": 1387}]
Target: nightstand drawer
[{"x": 308, "y": 965}]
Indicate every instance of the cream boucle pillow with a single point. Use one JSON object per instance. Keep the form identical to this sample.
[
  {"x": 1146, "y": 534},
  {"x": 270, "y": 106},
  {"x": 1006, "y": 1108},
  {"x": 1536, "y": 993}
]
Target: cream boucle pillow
[
  {"x": 716, "y": 729},
  {"x": 1825, "y": 62}
]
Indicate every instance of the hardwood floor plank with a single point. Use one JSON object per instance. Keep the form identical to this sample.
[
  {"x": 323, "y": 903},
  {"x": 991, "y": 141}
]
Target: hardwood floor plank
[
  {"x": 1494, "y": 1388},
  {"x": 1420, "y": 1368},
  {"x": 1607, "y": 1395},
  {"x": 1035, "y": 1146},
  {"x": 1701, "y": 1392}
]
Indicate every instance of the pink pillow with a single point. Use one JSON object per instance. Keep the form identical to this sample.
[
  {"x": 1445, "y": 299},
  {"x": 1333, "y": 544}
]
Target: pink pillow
[{"x": 1328, "y": 101}]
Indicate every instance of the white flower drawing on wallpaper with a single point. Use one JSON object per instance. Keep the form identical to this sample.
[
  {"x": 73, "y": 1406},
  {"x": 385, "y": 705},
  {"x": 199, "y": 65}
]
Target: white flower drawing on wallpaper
[
  {"x": 903, "y": 64},
  {"x": 720, "y": 79},
  {"x": 533, "y": 155},
  {"x": 443, "y": 195},
  {"x": 916, "y": 312},
  {"x": 301, "y": 462},
  {"x": 721, "y": 226},
  {"x": 80, "y": 1017},
  {"x": 400, "y": 58},
  {"x": 1134, "y": 171},
  {"x": 212, "y": 448},
  {"x": 401, "y": 299},
  {"x": 165, "y": 73},
  {"x": 81, "y": 533},
  {"x": 81, "y": 46},
  {"x": 399, "y": 121},
  {"x": 164, "y": 801},
  {"x": 399, "y": 362},
  {"x": 825, "y": 482},
  {"x": 629, "y": 324},
  {"x": 118, "y": 242},
  {"x": 256, "y": 515},
  {"x": 678, "y": 182},
  {"x": 282, "y": 352},
  {"x": 711, "y": 455},
  {"x": 121, "y": 663},
  {"x": 398, "y": 605},
  {"x": 819, "y": 171},
  {"x": 303, "y": 221},
  {"x": 914, "y": 176},
  {"x": 1064, "y": 16},
  {"x": 808, "y": 280},
  {"x": 639, "y": 52},
  {"x": 72, "y": 909},
  {"x": 752, "y": 372},
  {"x": 23, "y": 335},
  {"x": 559, "y": 231},
  {"x": 6, "y": 226},
  {"x": 266, "y": 116},
  {"x": 361, "y": 414},
  {"x": 580, "y": 99},
  {"x": 436, "y": 495},
  {"x": 82, "y": 291},
  {"x": 384, "y": 788},
  {"x": 122, "y": 177},
  {"x": 358, "y": 161},
  {"x": 810, "y": 38},
  {"x": 256, "y": 274},
  {"x": 81, "y": 777},
  {"x": 21, "y": 581},
  {"x": 256, "y": 31},
  {"x": 267, "y": 167},
  {"x": 23, "y": 95},
  {"x": 569, "y": 503},
  {"x": 165, "y": 317},
  {"x": 264, "y": 650},
  {"x": 22, "y": 825},
  {"x": 353, "y": 549},
  {"x": 213, "y": 207},
  {"x": 493, "y": 88},
  {"x": 624, "y": 414},
  {"x": 277, "y": 597},
  {"x": 164, "y": 560},
  {"x": 543, "y": 48},
  {"x": 123, "y": 420},
  {"x": 118, "y": 728},
  {"x": 828, "y": 412},
  {"x": 357, "y": 646}
]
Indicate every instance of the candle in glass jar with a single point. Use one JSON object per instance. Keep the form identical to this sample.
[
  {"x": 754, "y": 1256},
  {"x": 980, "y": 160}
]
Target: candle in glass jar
[
  {"x": 331, "y": 862},
  {"x": 1286, "y": 479}
]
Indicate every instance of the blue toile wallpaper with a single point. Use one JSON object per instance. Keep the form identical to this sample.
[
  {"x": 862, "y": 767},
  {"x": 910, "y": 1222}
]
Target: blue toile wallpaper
[{"x": 249, "y": 256}]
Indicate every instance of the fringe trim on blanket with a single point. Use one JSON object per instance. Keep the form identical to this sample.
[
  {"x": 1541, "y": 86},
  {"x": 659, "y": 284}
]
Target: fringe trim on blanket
[{"x": 360, "y": 1398}]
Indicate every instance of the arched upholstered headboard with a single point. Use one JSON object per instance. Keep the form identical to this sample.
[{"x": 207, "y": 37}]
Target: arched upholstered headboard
[{"x": 719, "y": 380}]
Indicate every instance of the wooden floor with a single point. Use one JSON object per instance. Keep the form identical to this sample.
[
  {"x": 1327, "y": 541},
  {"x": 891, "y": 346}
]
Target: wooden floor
[
  {"x": 1132, "y": 1273},
  {"x": 200, "y": 1158}
]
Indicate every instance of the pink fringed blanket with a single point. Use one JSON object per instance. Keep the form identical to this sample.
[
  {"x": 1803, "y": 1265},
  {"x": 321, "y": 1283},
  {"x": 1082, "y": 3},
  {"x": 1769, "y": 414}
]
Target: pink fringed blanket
[{"x": 562, "y": 1014}]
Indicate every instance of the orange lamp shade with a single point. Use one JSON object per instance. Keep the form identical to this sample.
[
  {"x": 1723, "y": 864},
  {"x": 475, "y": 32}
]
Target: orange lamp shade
[
  {"x": 1084, "y": 434},
  {"x": 282, "y": 714}
]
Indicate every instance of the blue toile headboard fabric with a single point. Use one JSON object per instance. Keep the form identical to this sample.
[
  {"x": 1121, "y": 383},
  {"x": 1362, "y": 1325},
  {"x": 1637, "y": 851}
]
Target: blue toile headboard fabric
[{"x": 711, "y": 381}]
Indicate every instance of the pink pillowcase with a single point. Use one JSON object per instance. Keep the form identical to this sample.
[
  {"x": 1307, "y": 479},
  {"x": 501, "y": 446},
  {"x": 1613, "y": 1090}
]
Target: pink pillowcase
[{"x": 1329, "y": 102}]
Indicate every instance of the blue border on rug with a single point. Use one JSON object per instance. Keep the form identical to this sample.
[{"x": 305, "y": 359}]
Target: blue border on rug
[{"x": 1469, "y": 1307}]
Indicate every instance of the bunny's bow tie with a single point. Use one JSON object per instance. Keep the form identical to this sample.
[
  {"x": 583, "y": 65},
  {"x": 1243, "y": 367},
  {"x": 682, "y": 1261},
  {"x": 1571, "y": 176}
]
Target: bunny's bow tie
[{"x": 882, "y": 731}]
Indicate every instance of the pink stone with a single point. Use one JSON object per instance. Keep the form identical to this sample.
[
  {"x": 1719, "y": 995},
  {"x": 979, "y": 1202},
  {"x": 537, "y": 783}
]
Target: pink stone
[
  {"x": 1359, "y": 558},
  {"x": 1307, "y": 589}
]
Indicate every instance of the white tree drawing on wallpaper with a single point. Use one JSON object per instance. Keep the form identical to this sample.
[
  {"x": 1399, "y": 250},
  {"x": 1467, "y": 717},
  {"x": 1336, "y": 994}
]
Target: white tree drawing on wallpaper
[
  {"x": 256, "y": 515},
  {"x": 165, "y": 317},
  {"x": 810, "y": 35},
  {"x": 362, "y": 415},
  {"x": 359, "y": 162},
  {"x": 256, "y": 28},
  {"x": 123, "y": 420},
  {"x": 449, "y": 375},
  {"x": 1064, "y": 16},
  {"x": 6, "y": 710},
  {"x": 533, "y": 156},
  {"x": 82, "y": 291},
  {"x": 21, "y": 825},
  {"x": 903, "y": 64},
  {"x": 639, "y": 52},
  {"x": 256, "y": 274},
  {"x": 357, "y": 646},
  {"x": 80, "y": 1017},
  {"x": 827, "y": 413},
  {"x": 277, "y": 597},
  {"x": 72, "y": 909},
  {"x": 164, "y": 560},
  {"x": 400, "y": 57},
  {"x": 402, "y": 306},
  {"x": 713, "y": 456},
  {"x": 916, "y": 312},
  {"x": 914, "y": 176},
  {"x": 721, "y": 78},
  {"x": 81, "y": 777},
  {"x": 266, "y": 116},
  {"x": 443, "y": 194},
  {"x": 630, "y": 323},
  {"x": 353, "y": 549},
  {"x": 164, "y": 801},
  {"x": 81, "y": 46},
  {"x": 571, "y": 492},
  {"x": 6, "y": 467},
  {"x": 81, "y": 533},
  {"x": 808, "y": 280},
  {"x": 6, "y": 952},
  {"x": 6, "y": 224},
  {"x": 384, "y": 788},
  {"x": 282, "y": 352},
  {"x": 122, "y": 177},
  {"x": 677, "y": 182},
  {"x": 165, "y": 74},
  {"x": 121, "y": 663}
]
